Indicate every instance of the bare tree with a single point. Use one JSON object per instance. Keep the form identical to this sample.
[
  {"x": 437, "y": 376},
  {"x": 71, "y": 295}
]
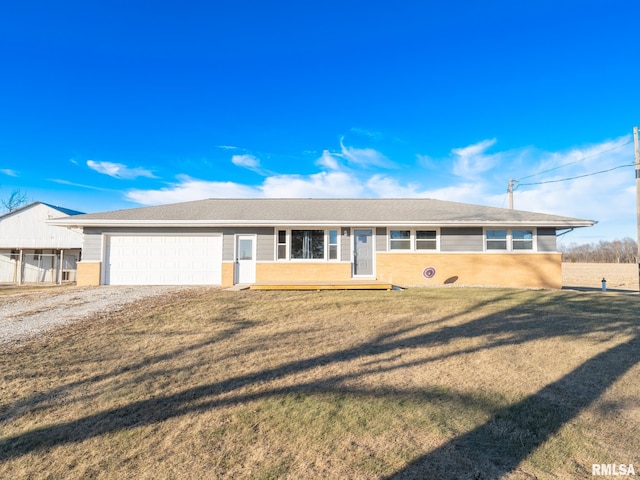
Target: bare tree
[
  {"x": 14, "y": 201},
  {"x": 616, "y": 251}
]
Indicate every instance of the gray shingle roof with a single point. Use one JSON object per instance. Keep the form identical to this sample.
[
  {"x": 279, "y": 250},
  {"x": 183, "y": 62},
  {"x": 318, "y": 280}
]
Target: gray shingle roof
[{"x": 338, "y": 212}]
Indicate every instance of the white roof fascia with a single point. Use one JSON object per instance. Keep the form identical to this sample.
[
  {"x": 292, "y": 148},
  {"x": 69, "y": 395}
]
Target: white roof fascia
[{"x": 69, "y": 222}]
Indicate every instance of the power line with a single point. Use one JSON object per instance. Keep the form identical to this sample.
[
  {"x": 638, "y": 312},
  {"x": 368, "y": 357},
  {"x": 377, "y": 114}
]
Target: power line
[
  {"x": 574, "y": 162},
  {"x": 579, "y": 176}
]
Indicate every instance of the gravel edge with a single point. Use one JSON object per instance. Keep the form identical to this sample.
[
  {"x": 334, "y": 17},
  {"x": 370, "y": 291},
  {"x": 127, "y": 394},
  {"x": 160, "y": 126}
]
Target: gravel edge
[{"x": 23, "y": 315}]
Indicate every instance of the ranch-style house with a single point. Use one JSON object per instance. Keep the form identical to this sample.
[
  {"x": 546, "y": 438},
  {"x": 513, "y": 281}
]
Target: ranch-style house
[{"x": 405, "y": 242}]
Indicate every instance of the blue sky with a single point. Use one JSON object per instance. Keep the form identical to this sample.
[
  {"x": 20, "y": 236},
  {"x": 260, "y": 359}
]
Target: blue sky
[{"x": 110, "y": 104}]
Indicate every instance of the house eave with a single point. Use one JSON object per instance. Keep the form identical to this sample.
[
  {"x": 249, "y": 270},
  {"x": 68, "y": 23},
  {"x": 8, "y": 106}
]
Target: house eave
[{"x": 69, "y": 222}]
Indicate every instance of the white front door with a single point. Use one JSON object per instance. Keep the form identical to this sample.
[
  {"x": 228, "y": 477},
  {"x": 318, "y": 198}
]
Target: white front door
[{"x": 245, "y": 259}]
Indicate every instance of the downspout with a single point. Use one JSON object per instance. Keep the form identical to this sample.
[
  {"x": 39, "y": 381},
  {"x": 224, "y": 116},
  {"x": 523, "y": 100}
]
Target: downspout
[{"x": 563, "y": 233}]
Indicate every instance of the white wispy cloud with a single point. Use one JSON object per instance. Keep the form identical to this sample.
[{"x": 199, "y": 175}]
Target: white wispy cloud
[
  {"x": 578, "y": 180},
  {"x": 570, "y": 184},
  {"x": 473, "y": 159},
  {"x": 82, "y": 185},
  {"x": 227, "y": 147},
  {"x": 9, "y": 172},
  {"x": 187, "y": 189},
  {"x": 318, "y": 185},
  {"x": 329, "y": 161},
  {"x": 246, "y": 161},
  {"x": 118, "y": 170},
  {"x": 365, "y": 157},
  {"x": 385, "y": 186}
]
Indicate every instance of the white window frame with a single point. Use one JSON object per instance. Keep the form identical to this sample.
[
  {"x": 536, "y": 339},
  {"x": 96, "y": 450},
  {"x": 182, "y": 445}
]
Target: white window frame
[
  {"x": 416, "y": 239},
  {"x": 506, "y": 240},
  {"x": 409, "y": 240},
  {"x": 287, "y": 244},
  {"x": 329, "y": 244},
  {"x": 509, "y": 240},
  {"x": 413, "y": 240},
  {"x": 533, "y": 240}
]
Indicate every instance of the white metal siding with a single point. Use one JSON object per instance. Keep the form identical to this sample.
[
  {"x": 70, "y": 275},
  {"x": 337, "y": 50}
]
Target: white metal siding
[
  {"x": 27, "y": 228},
  {"x": 163, "y": 260}
]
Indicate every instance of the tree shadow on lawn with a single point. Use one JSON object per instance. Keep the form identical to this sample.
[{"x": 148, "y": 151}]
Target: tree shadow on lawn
[
  {"x": 43, "y": 399},
  {"x": 497, "y": 447},
  {"x": 599, "y": 289},
  {"x": 489, "y": 451}
]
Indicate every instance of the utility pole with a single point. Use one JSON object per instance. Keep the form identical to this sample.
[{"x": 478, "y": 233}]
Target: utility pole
[
  {"x": 510, "y": 190},
  {"x": 637, "y": 145}
]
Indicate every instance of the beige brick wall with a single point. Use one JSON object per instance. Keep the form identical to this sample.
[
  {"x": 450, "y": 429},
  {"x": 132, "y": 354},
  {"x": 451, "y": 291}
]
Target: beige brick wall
[
  {"x": 303, "y": 272},
  {"x": 508, "y": 270},
  {"x": 88, "y": 274},
  {"x": 228, "y": 274}
]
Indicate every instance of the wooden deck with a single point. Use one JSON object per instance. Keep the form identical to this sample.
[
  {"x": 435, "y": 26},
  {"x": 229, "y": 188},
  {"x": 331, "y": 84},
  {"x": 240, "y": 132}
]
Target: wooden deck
[{"x": 354, "y": 285}]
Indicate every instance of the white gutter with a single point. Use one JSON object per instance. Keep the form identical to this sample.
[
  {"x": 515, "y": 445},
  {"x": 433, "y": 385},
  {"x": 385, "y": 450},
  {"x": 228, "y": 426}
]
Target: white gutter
[{"x": 319, "y": 223}]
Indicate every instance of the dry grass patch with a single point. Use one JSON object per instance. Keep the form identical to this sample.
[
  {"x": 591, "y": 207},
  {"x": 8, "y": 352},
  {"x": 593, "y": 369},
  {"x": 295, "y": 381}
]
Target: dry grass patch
[
  {"x": 11, "y": 289},
  {"x": 434, "y": 383}
]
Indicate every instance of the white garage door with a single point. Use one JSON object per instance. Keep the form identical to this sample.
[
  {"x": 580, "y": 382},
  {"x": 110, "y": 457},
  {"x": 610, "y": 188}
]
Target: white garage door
[{"x": 163, "y": 260}]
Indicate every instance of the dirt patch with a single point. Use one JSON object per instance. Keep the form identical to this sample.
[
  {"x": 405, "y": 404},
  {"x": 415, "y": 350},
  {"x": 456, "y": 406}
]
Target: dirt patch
[{"x": 619, "y": 276}]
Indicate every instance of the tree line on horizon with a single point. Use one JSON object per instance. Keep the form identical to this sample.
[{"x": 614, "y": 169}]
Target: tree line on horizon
[{"x": 604, "y": 251}]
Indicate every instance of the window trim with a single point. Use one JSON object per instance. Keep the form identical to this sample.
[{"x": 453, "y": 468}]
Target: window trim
[
  {"x": 436, "y": 240},
  {"x": 403, "y": 240},
  {"x": 326, "y": 244},
  {"x": 506, "y": 239},
  {"x": 514, "y": 241},
  {"x": 336, "y": 244},
  {"x": 413, "y": 240},
  {"x": 285, "y": 244},
  {"x": 509, "y": 240}
]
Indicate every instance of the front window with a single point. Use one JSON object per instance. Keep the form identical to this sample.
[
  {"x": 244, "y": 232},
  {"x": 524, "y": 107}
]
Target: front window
[
  {"x": 426, "y": 240},
  {"x": 522, "y": 239},
  {"x": 307, "y": 244},
  {"x": 333, "y": 244},
  {"x": 496, "y": 239},
  {"x": 510, "y": 240},
  {"x": 282, "y": 244},
  {"x": 400, "y": 240}
]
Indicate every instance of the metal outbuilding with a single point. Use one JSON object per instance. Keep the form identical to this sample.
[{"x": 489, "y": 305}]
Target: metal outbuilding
[{"x": 32, "y": 251}]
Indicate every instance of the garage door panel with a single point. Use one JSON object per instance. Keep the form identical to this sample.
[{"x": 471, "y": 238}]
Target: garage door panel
[{"x": 163, "y": 260}]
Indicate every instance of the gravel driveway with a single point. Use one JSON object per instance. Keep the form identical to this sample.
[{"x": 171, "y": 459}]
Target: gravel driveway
[{"x": 29, "y": 313}]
